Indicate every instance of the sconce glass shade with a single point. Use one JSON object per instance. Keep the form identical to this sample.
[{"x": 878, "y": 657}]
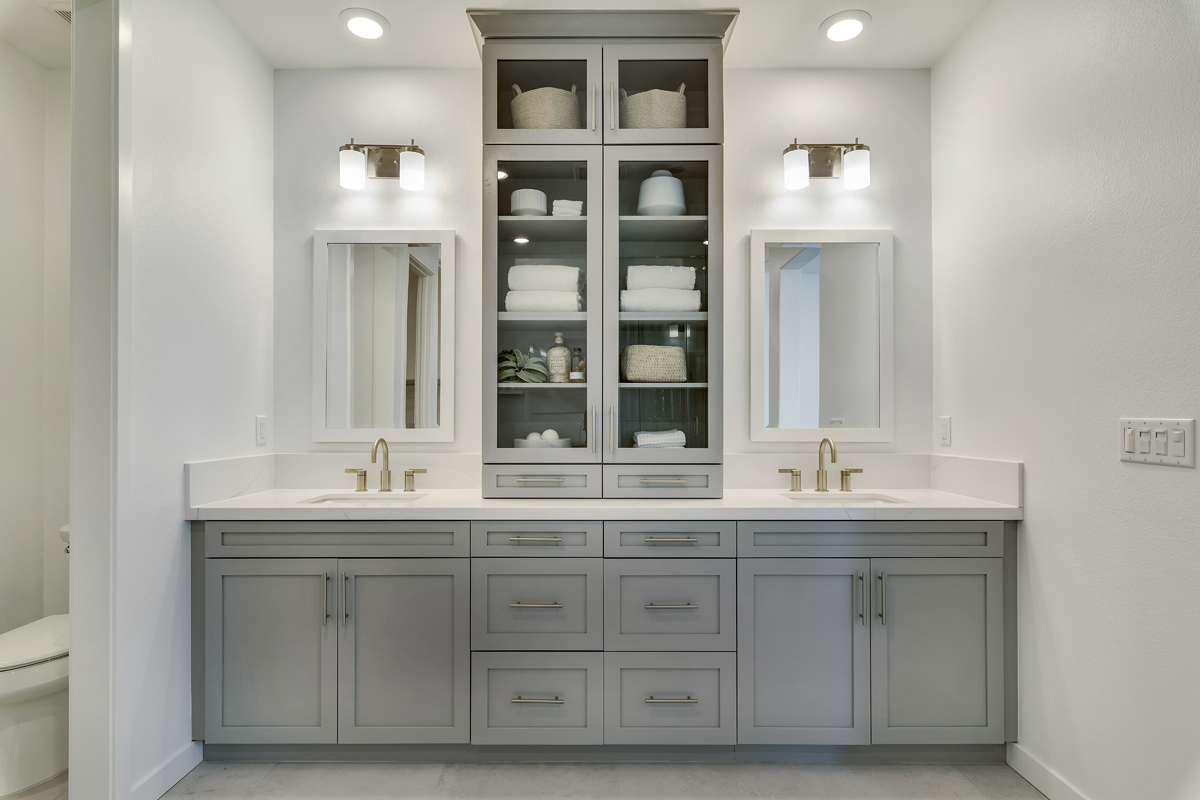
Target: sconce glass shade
[
  {"x": 856, "y": 167},
  {"x": 353, "y": 167},
  {"x": 795, "y": 167},
  {"x": 411, "y": 167}
]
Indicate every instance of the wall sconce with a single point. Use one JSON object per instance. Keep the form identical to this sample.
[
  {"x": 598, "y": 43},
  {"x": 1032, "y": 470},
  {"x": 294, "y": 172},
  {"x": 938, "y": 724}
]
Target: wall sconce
[
  {"x": 850, "y": 162},
  {"x": 405, "y": 162}
]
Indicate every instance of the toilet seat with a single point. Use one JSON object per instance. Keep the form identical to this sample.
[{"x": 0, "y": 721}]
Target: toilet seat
[{"x": 44, "y": 640}]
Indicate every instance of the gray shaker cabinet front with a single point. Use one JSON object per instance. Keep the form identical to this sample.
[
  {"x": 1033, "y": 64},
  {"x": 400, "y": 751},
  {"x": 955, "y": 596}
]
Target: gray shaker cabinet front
[{"x": 270, "y": 651}]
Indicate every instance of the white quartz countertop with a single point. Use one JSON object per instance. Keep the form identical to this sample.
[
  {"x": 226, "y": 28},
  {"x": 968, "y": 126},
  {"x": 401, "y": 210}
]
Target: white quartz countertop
[{"x": 738, "y": 504}]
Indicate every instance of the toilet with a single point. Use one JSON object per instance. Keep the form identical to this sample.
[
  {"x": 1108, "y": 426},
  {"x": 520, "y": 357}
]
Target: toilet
[{"x": 33, "y": 702}]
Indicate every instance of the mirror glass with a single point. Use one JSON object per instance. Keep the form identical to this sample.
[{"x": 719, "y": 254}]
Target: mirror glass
[
  {"x": 383, "y": 365},
  {"x": 822, "y": 335}
]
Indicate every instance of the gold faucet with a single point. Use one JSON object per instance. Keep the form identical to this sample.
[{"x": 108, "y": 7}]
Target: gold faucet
[
  {"x": 410, "y": 480},
  {"x": 385, "y": 474},
  {"x": 822, "y": 475}
]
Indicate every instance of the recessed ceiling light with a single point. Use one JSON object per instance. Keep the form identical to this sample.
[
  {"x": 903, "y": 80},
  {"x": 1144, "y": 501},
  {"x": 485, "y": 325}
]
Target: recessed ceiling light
[
  {"x": 364, "y": 23},
  {"x": 845, "y": 25},
  {"x": 501, "y": 174},
  {"x": 521, "y": 240}
]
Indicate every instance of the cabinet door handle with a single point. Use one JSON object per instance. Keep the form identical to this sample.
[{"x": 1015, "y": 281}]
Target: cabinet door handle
[
  {"x": 542, "y": 480},
  {"x": 653, "y": 539},
  {"x": 688, "y": 699},
  {"x": 673, "y": 481},
  {"x": 862, "y": 592},
  {"x": 656, "y": 606},
  {"x": 345, "y": 605},
  {"x": 612, "y": 106},
  {"x": 883, "y": 598},
  {"x": 592, "y": 107},
  {"x": 325, "y": 586},
  {"x": 535, "y": 605},
  {"x": 535, "y": 538},
  {"x": 542, "y": 700},
  {"x": 593, "y": 434}
]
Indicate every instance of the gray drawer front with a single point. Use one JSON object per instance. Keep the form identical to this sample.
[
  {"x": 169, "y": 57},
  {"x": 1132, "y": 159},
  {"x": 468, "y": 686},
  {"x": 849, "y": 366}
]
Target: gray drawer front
[
  {"x": 632, "y": 679},
  {"x": 527, "y": 480},
  {"x": 336, "y": 539},
  {"x": 870, "y": 539},
  {"x": 537, "y": 604},
  {"x": 659, "y": 481},
  {"x": 575, "y": 679},
  {"x": 678, "y": 604},
  {"x": 670, "y": 539},
  {"x": 545, "y": 539}
]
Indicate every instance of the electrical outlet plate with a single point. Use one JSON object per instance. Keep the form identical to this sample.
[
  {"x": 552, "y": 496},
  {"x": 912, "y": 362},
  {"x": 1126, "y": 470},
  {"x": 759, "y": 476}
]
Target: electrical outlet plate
[
  {"x": 260, "y": 429},
  {"x": 1157, "y": 441},
  {"x": 945, "y": 440}
]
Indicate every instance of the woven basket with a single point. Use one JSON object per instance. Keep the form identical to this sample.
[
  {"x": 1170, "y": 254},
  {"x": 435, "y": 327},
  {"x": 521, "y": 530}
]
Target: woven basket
[
  {"x": 647, "y": 363},
  {"x": 654, "y": 109},
  {"x": 545, "y": 108}
]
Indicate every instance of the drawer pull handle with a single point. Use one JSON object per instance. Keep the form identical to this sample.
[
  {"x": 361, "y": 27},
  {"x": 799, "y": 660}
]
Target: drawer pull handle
[
  {"x": 535, "y": 538},
  {"x": 538, "y": 700},
  {"x": 535, "y": 605},
  {"x": 656, "y": 606},
  {"x": 653, "y": 539},
  {"x": 542, "y": 480},
  {"x": 674, "y": 481},
  {"x": 688, "y": 699}
]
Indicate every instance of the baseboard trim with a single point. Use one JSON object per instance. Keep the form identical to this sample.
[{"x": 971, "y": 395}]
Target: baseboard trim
[
  {"x": 1043, "y": 778},
  {"x": 749, "y": 754},
  {"x": 171, "y": 772}
]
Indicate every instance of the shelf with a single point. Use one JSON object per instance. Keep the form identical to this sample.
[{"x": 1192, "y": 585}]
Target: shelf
[
  {"x": 662, "y": 385},
  {"x": 662, "y": 316},
  {"x": 663, "y": 229},
  {"x": 520, "y": 387},
  {"x": 536, "y": 321},
  {"x": 543, "y": 229}
]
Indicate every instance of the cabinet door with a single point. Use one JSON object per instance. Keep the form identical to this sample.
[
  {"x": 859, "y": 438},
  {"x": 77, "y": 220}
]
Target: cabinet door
[
  {"x": 639, "y": 81},
  {"x": 404, "y": 650},
  {"x": 937, "y": 674},
  {"x": 270, "y": 651},
  {"x": 515, "y": 246},
  {"x": 804, "y": 651},
  {"x": 544, "y": 75},
  {"x": 635, "y": 400}
]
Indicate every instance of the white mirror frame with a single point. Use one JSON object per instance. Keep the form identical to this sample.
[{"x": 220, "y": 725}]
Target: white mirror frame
[
  {"x": 759, "y": 432},
  {"x": 446, "y": 317}
]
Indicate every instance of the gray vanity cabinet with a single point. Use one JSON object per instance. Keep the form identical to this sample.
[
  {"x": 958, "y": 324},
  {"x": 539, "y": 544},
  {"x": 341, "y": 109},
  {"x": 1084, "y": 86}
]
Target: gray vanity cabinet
[
  {"x": 270, "y": 651},
  {"x": 937, "y": 640}
]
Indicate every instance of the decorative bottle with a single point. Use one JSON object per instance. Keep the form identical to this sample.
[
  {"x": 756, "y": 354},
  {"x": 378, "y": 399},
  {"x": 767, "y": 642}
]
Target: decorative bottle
[
  {"x": 577, "y": 367},
  {"x": 558, "y": 360}
]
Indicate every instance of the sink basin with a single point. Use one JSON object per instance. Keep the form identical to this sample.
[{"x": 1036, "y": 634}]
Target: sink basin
[
  {"x": 842, "y": 498},
  {"x": 365, "y": 498}
]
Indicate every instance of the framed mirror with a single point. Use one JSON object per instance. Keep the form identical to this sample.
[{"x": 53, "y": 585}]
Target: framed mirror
[
  {"x": 821, "y": 332},
  {"x": 383, "y": 336}
]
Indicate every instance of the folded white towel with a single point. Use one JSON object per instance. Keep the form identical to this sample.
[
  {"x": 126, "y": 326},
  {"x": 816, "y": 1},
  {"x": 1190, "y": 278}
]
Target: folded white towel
[
  {"x": 575, "y": 205},
  {"x": 543, "y": 301},
  {"x": 660, "y": 439},
  {"x": 543, "y": 278},
  {"x": 656, "y": 277},
  {"x": 660, "y": 300},
  {"x": 565, "y": 212}
]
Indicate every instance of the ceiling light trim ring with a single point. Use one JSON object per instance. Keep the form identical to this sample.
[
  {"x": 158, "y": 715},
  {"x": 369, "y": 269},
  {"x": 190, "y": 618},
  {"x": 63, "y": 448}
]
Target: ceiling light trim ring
[
  {"x": 852, "y": 14},
  {"x": 364, "y": 13}
]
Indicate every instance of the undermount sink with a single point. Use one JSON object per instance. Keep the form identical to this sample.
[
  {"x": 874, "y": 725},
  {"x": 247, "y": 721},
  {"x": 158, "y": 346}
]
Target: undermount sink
[
  {"x": 365, "y": 498},
  {"x": 841, "y": 498}
]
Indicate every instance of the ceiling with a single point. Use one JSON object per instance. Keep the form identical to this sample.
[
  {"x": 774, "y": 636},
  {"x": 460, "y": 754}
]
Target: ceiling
[
  {"x": 298, "y": 34},
  {"x": 36, "y": 32}
]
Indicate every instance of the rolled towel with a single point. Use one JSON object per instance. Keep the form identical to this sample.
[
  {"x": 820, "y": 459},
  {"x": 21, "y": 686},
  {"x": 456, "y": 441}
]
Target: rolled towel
[
  {"x": 543, "y": 278},
  {"x": 573, "y": 205},
  {"x": 565, "y": 212},
  {"x": 543, "y": 301},
  {"x": 660, "y": 439},
  {"x": 655, "y": 277},
  {"x": 660, "y": 300}
]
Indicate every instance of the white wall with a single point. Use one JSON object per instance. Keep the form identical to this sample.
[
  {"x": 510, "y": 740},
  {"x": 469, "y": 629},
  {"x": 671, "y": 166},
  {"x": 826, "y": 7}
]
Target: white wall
[
  {"x": 22, "y": 254},
  {"x": 1065, "y": 296},
  {"x": 886, "y": 109},
  {"x": 318, "y": 111},
  {"x": 200, "y": 347}
]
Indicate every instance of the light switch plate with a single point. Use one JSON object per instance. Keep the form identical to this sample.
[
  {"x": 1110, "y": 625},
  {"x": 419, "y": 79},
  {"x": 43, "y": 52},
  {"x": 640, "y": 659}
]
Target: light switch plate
[
  {"x": 1150, "y": 440},
  {"x": 945, "y": 432}
]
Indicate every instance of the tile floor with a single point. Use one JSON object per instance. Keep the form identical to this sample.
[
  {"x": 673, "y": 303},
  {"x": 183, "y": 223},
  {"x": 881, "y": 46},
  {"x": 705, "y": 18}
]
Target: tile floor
[
  {"x": 291, "y": 781},
  {"x": 53, "y": 789}
]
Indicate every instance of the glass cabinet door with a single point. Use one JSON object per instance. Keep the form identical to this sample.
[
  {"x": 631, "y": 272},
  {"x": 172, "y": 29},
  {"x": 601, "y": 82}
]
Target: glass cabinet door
[
  {"x": 542, "y": 279},
  {"x": 662, "y": 304},
  {"x": 541, "y": 94},
  {"x": 662, "y": 94}
]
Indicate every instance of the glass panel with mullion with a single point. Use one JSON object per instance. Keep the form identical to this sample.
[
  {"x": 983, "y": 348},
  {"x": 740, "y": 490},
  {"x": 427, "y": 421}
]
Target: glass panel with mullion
[
  {"x": 545, "y": 110},
  {"x": 658, "y": 111}
]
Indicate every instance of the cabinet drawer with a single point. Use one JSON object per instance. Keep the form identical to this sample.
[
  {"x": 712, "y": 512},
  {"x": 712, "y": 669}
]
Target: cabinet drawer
[
  {"x": 536, "y": 604},
  {"x": 670, "y": 539},
  {"x": 658, "y": 481},
  {"x": 680, "y": 604},
  {"x": 870, "y": 539},
  {"x": 565, "y": 480},
  {"x": 553, "y": 539},
  {"x": 670, "y": 698},
  {"x": 336, "y": 539},
  {"x": 537, "y": 698}
]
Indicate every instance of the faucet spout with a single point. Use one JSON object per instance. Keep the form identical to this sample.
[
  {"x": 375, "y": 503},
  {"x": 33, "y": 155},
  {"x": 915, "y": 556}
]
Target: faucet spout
[
  {"x": 822, "y": 475},
  {"x": 385, "y": 473}
]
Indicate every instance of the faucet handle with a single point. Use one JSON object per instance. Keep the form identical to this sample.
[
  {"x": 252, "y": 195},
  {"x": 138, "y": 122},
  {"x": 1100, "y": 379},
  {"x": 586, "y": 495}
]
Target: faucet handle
[
  {"x": 422, "y": 469},
  {"x": 410, "y": 481},
  {"x": 361, "y": 475},
  {"x": 795, "y": 473},
  {"x": 846, "y": 473}
]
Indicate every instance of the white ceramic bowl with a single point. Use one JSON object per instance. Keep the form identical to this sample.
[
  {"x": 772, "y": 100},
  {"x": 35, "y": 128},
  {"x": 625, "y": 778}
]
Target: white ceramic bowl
[
  {"x": 661, "y": 195},
  {"x": 541, "y": 442},
  {"x": 528, "y": 203}
]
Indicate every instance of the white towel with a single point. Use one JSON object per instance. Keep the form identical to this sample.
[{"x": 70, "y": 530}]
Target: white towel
[
  {"x": 655, "y": 277},
  {"x": 565, "y": 212},
  {"x": 660, "y": 300},
  {"x": 660, "y": 439},
  {"x": 572, "y": 205},
  {"x": 543, "y": 301},
  {"x": 543, "y": 278}
]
